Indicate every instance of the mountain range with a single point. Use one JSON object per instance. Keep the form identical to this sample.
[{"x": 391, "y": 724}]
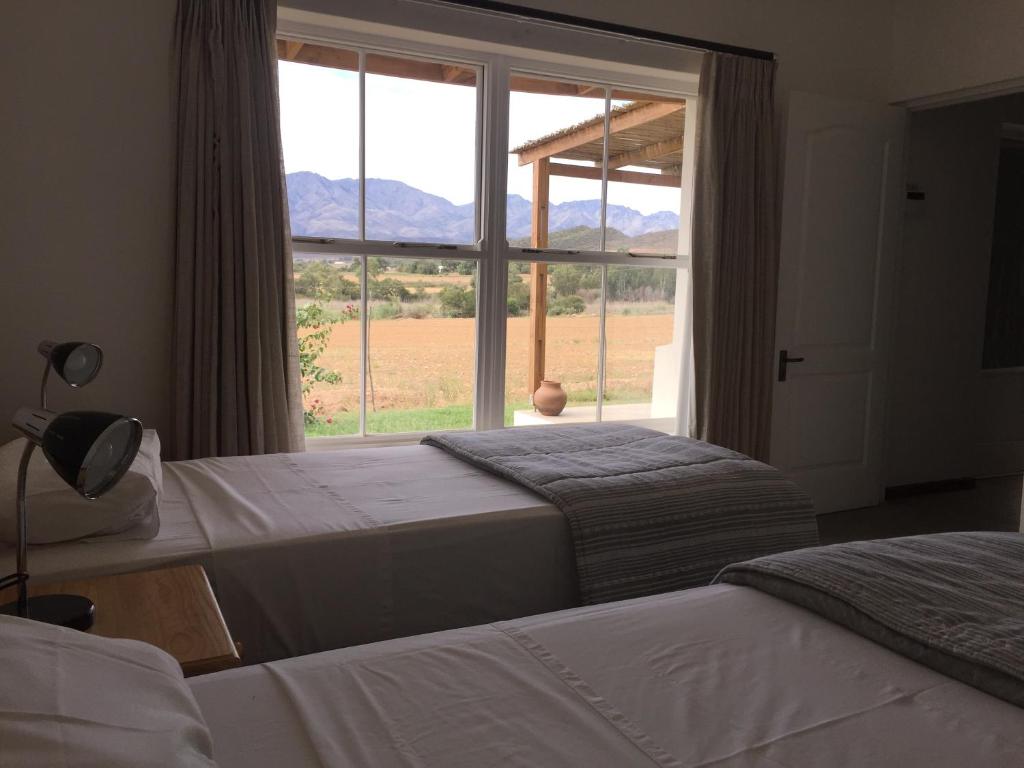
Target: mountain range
[{"x": 322, "y": 207}]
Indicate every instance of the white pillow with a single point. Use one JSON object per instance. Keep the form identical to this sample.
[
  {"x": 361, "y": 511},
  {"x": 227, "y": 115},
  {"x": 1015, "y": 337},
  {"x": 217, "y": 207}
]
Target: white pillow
[
  {"x": 69, "y": 698},
  {"x": 56, "y": 512}
]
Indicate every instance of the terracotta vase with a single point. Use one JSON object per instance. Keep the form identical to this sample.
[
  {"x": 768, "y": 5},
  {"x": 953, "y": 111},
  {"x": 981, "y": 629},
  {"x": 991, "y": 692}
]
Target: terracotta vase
[{"x": 550, "y": 398}]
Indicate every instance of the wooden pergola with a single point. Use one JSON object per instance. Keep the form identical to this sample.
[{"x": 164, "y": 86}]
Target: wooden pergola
[
  {"x": 645, "y": 133},
  {"x": 642, "y": 134}
]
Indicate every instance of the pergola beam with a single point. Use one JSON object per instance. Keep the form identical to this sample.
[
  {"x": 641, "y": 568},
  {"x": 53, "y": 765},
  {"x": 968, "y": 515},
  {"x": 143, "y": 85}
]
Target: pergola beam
[
  {"x": 627, "y": 177},
  {"x": 646, "y": 153},
  {"x": 595, "y": 131}
]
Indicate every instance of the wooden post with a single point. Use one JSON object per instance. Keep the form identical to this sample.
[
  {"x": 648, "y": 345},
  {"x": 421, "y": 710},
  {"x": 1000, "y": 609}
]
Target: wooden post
[{"x": 538, "y": 273}]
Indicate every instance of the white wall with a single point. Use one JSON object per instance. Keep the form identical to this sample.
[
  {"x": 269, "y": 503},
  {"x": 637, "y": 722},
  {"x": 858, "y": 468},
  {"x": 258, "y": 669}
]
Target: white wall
[
  {"x": 944, "y": 46},
  {"x": 820, "y": 45},
  {"x": 947, "y": 418},
  {"x": 86, "y": 213}
]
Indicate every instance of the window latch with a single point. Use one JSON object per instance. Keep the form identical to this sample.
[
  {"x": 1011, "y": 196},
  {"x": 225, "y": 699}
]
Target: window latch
[{"x": 440, "y": 246}]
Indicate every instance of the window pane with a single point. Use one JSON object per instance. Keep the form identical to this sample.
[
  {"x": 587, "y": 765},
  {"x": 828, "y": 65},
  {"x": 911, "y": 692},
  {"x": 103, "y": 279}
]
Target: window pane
[
  {"x": 319, "y": 91},
  {"x": 644, "y": 166},
  {"x": 644, "y": 339},
  {"x": 570, "y": 330},
  {"x": 555, "y": 128},
  {"x": 327, "y": 298},
  {"x": 422, "y": 338},
  {"x": 421, "y": 127}
]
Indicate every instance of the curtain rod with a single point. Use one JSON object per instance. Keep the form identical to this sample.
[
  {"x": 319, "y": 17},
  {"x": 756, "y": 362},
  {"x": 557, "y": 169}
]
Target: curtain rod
[{"x": 536, "y": 14}]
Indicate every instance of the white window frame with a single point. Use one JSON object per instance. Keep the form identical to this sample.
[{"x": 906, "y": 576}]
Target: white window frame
[{"x": 492, "y": 251}]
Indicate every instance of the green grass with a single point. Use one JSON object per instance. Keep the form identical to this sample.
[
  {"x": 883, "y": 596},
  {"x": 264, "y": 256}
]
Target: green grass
[
  {"x": 414, "y": 420},
  {"x": 448, "y": 417}
]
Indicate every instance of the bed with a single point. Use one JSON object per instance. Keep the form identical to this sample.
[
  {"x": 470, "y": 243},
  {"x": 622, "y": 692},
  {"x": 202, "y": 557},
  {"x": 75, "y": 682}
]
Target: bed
[
  {"x": 726, "y": 675},
  {"x": 310, "y": 552}
]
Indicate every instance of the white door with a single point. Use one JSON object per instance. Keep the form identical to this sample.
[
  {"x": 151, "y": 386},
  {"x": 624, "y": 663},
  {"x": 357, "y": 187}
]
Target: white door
[{"x": 841, "y": 208}]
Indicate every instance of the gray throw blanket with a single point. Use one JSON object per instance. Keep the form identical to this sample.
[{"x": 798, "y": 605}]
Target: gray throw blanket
[
  {"x": 648, "y": 512},
  {"x": 952, "y": 601}
]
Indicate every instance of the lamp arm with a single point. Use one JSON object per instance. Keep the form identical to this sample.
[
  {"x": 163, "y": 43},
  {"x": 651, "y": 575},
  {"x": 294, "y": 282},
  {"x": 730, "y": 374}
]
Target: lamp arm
[
  {"x": 22, "y": 557},
  {"x": 42, "y": 386}
]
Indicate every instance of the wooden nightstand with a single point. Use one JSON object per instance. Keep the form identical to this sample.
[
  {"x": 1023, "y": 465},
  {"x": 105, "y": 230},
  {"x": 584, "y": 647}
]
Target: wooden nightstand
[{"x": 171, "y": 608}]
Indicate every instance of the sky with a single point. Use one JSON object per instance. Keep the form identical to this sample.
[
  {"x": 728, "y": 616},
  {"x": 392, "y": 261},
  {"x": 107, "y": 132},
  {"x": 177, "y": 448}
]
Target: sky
[{"x": 423, "y": 134}]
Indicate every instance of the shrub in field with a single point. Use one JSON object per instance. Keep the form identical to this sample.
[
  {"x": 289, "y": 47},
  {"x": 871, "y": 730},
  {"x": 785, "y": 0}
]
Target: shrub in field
[
  {"x": 418, "y": 310},
  {"x": 630, "y": 284},
  {"x": 420, "y": 267},
  {"x": 325, "y": 280},
  {"x": 569, "y": 279},
  {"x": 386, "y": 311},
  {"x": 458, "y": 302},
  {"x": 388, "y": 289},
  {"x": 567, "y": 305},
  {"x": 518, "y": 295}
]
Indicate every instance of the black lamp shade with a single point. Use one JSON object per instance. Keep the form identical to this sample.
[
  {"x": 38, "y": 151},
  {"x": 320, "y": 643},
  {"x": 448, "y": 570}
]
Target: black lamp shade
[
  {"x": 91, "y": 450},
  {"x": 77, "y": 362}
]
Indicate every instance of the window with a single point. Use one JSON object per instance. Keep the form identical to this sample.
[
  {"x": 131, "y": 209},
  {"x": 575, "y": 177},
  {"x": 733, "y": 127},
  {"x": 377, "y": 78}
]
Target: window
[{"x": 439, "y": 277}]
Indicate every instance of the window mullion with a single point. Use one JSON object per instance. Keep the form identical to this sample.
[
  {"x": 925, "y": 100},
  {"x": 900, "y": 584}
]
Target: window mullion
[
  {"x": 602, "y": 341},
  {"x": 603, "y": 314},
  {"x": 686, "y": 377},
  {"x": 362, "y": 145},
  {"x": 364, "y": 303},
  {"x": 364, "y": 340},
  {"x": 492, "y": 273}
]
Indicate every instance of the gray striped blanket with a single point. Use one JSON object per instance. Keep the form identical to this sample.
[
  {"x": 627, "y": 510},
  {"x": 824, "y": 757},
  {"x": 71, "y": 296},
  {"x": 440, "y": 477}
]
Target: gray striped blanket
[
  {"x": 648, "y": 512},
  {"x": 951, "y": 601}
]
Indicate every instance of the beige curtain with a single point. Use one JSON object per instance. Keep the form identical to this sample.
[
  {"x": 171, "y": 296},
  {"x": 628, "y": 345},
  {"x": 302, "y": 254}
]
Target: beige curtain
[
  {"x": 236, "y": 382},
  {"x": 735, "y": 253}
]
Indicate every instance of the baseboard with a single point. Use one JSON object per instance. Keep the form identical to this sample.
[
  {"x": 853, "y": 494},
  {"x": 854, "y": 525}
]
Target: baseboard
[{"x": 934, "y": 486}]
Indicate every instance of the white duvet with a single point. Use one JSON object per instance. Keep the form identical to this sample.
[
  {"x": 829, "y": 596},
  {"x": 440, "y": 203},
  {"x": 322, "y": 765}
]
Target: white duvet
[
  {"x": 309, "y": 552},
  {"x": 720, "y": 676}
]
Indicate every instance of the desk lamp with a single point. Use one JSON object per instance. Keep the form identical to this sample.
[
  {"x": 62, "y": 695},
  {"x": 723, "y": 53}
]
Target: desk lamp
[{"x": 90, "y": 450}]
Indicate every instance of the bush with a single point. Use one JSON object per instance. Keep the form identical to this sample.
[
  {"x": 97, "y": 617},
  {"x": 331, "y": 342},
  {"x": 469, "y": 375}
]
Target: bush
[
  {"x": 567, "y": 305},
  {"x": 388, "y": 289},
  {"x": 568, "y": 279},
  {"x": 458, "y": 302},
  {"x": 327, "y": 282},
  {"x": 418, "y": 310},
  {"x": 518, "y": 296},
  {"x": 386, "y": 311},
  {"x": 420, "y": 267}
]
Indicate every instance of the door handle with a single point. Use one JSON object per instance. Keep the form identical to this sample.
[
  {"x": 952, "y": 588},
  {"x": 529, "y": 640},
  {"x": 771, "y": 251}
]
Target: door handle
[{"x": 784, "y": 361}]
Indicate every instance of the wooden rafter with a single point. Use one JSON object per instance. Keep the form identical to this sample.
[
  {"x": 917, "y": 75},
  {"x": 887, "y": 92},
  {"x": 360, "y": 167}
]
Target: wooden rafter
[
  {"x": 627, "y": 177},
  {"x": 595, "y": 131},
  {"x": 376, "y": 64},
  {"x": 646, "y": 153}
]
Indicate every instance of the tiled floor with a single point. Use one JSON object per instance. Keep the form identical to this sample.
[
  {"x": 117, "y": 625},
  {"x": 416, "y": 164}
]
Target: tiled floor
[{"x": 994, "y": 505}]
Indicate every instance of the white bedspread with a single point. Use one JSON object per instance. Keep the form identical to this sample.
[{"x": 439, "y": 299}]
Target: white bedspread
[
  {"x": 309, "y": 552},
  {"x": 720, "y": 676}
]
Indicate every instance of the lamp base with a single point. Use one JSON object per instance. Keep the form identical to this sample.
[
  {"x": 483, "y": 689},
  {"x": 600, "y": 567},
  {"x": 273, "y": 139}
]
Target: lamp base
[{"x": 72, "y": 611}]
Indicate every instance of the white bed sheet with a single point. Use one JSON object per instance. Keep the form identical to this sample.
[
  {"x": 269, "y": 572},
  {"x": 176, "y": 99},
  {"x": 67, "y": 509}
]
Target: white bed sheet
[
  {"x": 720, "y": 676},
  {"x": 309, "y": 552}
]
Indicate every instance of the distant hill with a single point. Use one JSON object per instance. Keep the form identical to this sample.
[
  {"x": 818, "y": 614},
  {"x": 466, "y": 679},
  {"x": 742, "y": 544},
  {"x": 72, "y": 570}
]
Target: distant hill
[
  {"x": 322, "y": 207},
  {"x": 589, "y": 239}
]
